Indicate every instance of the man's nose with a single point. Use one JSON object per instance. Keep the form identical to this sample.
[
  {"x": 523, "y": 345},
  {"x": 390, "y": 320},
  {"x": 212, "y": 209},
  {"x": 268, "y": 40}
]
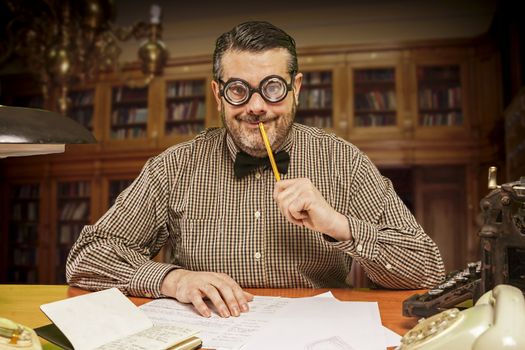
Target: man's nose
[{"x": 256, "y": 105}]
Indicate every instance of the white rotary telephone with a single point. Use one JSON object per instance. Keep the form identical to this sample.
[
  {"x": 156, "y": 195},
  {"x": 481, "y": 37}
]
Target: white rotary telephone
[{"x": 496, "y": 321}]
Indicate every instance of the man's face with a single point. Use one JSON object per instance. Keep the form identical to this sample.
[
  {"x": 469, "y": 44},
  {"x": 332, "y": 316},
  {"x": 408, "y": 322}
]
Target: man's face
[{"x": 242, "y": 122}]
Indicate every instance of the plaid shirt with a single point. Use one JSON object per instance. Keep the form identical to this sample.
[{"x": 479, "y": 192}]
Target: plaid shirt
[{"x": 189, "y": 198}]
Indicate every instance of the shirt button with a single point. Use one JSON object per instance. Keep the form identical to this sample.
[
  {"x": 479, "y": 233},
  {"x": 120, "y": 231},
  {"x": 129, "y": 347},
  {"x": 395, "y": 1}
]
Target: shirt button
[
  {"x": 257, "y": 255},
  {"x": 257, "y": 175},
  {"x": 148, "y": 295},
  {"x": 257, "y": 214},
  {"x": 359, "y": 247},
  {"x": 388, "y": 266}
]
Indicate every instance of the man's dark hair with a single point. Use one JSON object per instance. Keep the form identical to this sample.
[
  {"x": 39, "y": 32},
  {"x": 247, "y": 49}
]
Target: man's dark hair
[{"x": 253, "y": 36}]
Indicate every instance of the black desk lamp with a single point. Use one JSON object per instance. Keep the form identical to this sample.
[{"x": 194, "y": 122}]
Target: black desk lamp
[{"x": 30, "y": 131}]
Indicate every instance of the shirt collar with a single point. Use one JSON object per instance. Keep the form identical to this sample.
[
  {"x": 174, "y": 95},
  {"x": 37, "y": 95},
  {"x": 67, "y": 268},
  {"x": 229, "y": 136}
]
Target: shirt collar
[{"x": 286, "y": 146}]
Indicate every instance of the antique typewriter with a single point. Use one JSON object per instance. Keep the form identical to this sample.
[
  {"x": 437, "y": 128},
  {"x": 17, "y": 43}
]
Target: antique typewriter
[{"x": 502, "y": 246}]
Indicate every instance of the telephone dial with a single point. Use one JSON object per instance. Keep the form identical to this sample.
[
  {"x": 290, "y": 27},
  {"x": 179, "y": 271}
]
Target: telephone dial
[{"x": 496, "y": 321}]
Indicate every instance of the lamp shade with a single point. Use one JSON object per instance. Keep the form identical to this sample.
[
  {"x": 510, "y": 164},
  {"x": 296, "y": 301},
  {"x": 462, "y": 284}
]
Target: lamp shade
[{"x": 27, "y": 131}]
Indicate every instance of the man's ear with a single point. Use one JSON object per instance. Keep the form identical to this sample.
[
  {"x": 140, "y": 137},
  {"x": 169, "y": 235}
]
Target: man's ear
[
  {"x": 216, "y": 94},
  {"x": 297, "y": 85}
]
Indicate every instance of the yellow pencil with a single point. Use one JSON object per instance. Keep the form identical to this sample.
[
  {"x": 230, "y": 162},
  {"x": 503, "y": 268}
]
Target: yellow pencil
[{"x": 270, "y": 153}]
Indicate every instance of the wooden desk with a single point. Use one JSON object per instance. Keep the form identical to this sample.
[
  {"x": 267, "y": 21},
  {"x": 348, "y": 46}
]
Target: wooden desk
[{"x": 21, "y": 303}]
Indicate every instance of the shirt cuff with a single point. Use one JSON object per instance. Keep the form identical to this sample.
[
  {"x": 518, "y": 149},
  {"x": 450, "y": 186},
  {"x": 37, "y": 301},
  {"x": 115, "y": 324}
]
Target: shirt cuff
[
  {"x": 147, "y": 280},
  {"x": 363, "y": 244}
]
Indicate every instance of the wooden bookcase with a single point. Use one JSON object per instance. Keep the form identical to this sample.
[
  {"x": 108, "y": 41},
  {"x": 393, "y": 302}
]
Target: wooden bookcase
[
  {"x": 439, "y": 96},
  {"x": 82, "y": 107},
  {"x": 374, "y": 97},
  {"x": 23, "y": 236},
  {"x": 185, "y": 107},
  {"x": 315, "y": 101},
  {"x": 422, "y": 113},
  {"x": 73, "y": 204},
  {"x": 129, "y": 113}
]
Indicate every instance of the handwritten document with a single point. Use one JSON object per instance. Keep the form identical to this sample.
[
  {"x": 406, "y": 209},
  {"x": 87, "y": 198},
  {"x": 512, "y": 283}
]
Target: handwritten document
[{"x": 217, "y": 332}]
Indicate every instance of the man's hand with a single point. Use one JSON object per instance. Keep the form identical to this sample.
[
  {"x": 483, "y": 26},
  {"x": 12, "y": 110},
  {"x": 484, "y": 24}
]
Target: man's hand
[
  {"x": 302, "y": 204},
  {"x": 192, "y": 287}
]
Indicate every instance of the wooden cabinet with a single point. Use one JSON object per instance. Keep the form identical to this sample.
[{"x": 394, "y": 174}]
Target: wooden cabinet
[
  {"x": 422, "y": 113},
  {"x": 23, "y": 233},
  {"x": 73, "y": 212}
]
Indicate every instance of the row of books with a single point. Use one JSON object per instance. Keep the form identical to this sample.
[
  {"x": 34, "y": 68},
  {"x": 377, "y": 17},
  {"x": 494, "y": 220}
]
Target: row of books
[
  {"x": 194, "y": 109},
  {"x": 74, "y": 211},
  {"x": 27, "y": 211},
  {"x": 81, "y": 98},
  {"x": 26, "y": 191},
  {"x": 185, "y": 88},
  {"x": 124, "y": 94},
  {"x": 129, "y": 116},
  {"x": 318, "y": 121},
  {"x": 312, "y": 78},
  {"x": 440, "y": 98},
  {"x": 376, "y": 100},
  {"x": 369, "y": 120},
  {"x": 315, "y": 98},
  {"x": 129, "y": 133},
  {"x": 23, "y": 234},
  {"x": 441, "y": 119},
  {"x": 365, "y": 75},
  {"x": 68, "y": 233},
  {"x": 184, "y": 129},
  {"x": 74, "y": 189},
  {"x": 25, "y": 257}
]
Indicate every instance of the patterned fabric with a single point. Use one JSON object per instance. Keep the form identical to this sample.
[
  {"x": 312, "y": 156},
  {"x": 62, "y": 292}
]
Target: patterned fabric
[{"x": 188, "y": 198}]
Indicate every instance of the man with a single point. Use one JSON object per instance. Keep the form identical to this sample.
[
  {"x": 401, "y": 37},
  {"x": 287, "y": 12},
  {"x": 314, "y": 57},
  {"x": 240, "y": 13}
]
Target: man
[{"x": 231, "y": 226}]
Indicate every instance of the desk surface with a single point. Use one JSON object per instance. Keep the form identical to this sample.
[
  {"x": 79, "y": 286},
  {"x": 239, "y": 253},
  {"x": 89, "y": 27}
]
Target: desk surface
[{"x": 21, "y": 303}]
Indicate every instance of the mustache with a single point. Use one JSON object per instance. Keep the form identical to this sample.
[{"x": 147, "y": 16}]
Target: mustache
[{"x": 254, "y": 118}]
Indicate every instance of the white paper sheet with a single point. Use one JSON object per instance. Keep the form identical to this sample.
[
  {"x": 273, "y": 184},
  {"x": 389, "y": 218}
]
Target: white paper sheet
[
  {"x": 322, "y": 323},
  {"x": 391, "y": 338},
  {"x": 94, "y": 319}
]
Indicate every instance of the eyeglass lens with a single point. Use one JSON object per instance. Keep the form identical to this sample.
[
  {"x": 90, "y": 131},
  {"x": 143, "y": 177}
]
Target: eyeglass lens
[{"x": 272, "y": 88}]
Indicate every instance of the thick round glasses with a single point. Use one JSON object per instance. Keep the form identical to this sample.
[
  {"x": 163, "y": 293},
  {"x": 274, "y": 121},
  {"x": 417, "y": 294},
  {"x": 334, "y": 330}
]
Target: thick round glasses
[{"x": 272, "y": 89}]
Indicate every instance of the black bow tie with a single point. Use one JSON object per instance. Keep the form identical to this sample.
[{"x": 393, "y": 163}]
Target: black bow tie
[{"x": 244, "y": 163}]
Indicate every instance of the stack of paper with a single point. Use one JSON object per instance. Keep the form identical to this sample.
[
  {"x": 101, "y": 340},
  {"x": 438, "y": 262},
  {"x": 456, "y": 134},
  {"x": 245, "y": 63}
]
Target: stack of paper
[{"x": 321, "y": 322}]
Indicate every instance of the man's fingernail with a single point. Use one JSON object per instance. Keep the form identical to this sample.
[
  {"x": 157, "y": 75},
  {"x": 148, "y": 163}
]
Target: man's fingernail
[
  {"x": 235, "y": 311},
  {"x": 225, "y": 313},
  {"x": 244, "y": 307}
]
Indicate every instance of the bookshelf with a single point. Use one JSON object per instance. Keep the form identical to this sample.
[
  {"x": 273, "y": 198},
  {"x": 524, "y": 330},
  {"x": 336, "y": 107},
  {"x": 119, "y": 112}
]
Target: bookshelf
[
  {"x": 343, "y": 90},
  {"x": 315, "y": 100},
  {"x": 374, "y": 97},
  {"x": 185, "y": 107},
  {"x": 23, "y": 238},
  {"x": 439, "y": 96},
  {"x": 129, "y": 113},
  {"x": 82, "y": 107},
  {"x": 73, "y": 204}
]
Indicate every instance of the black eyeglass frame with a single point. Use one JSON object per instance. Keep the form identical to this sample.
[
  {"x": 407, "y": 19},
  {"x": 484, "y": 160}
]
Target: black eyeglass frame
[{"x": 252, "y": 90}]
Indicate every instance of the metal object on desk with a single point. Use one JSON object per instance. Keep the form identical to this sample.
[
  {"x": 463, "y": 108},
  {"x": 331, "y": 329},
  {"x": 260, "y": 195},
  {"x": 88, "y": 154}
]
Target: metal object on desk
[
  {"x": 16, "y": 336},
  {"x": 502, "y": 242}
]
